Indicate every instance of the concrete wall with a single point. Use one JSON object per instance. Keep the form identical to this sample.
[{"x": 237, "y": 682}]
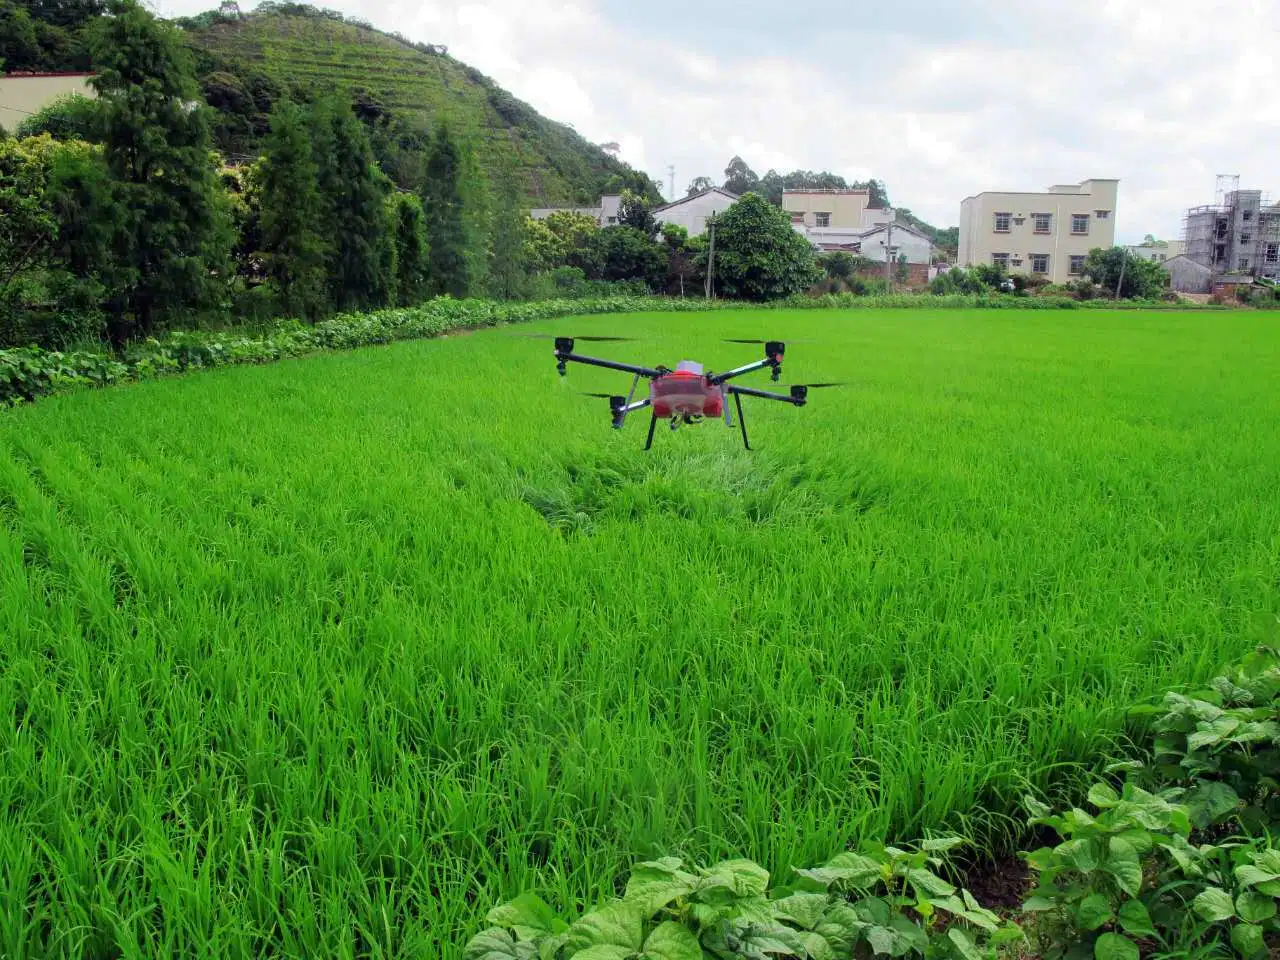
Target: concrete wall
[
  {"x": 692, "y": 213},
  {"x": 844, "y": 206},
  {"x": 1186, "y": 275},
  {"x": 980, "y": 241},
  {"x": 21, "y": 96}
]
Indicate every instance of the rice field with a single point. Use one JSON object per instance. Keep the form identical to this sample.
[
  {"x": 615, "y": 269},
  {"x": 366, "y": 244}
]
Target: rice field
[{"x": 326, "y": 657}]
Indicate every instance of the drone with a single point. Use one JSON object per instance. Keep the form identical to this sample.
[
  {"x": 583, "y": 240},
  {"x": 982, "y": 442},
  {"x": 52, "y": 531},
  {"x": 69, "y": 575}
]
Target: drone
[{"x": 687, "y": 395}]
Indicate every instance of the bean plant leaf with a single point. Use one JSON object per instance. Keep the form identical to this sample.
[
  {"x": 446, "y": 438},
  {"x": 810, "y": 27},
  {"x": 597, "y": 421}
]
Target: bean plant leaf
[
  {"x": 1123, "y": 864},
  {"x": 817, "y": 946},
  {"x": 1135, "y": 919},
  {"x": 617, "y": 924},
  {"x": 1209, "y": 802},
  {"x": 742, "y": 878},
  {"x": 672, "y": 941},
  {"x": 873, "y": 910},
  {"x": 760, "y": 941},
  {"x": 1248, "y": 940},
  {"x": 498, "y": 944},
  {"x": 1042, "y": 859},
  {"x": 528, "y": 916},
  {"x": 930, "y": 883},
  {"x": 1254, "y": 907},
  {"x": 851, "y": 869},
  {"x": 806, "y": 910},
  {"x": 1214, "y": 732},
  {"x": 1037, "y": 905},
  {"x": 1093, "y": 912},
  {"x": 1113, "y": 946},
  {"x": 964, "y": 944},
  {"x": 882, "y": 940},
  {"x": 1081, "y": 855},
  {"x": 942, "y": 844},
  {"x": 1213, "y": 904},
  {"x": 1103, "y": 796},
  {"x": 604, "y": 951},
  {"x": 656, "y": 883},
  {"x": 841, "y": 927}
]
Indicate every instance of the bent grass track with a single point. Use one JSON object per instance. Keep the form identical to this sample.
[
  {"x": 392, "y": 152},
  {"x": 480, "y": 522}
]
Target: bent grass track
[{"x": 326, "y": 657}]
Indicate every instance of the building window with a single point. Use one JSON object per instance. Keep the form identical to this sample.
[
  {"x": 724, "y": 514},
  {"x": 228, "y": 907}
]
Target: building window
[
  {"x": 1080, "y": 223},
  {"x": 822, "y": 219},
  {"x": 1075, "y": 266},
  {"x": 1246, "y": 215},
  {"x": 1246, "y": 237},
  {"x": 1002, "y": 222},
  {"x": 1102, "y": 214},
  {"x": 1161, "y": 257},
  {"x": 1042, "y": 222},
  {"x": 1000, "y": 260},
  {"x": 1039, "y": 263},
  {"x": 1220, "y": 253},
  {"x": 1244, "y": 263},
  {"x": 613, "y": 219},
  {"x": 1273, "y": 253}
]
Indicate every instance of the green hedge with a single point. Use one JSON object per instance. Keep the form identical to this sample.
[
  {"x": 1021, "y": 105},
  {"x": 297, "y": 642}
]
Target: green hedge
[{"x": 28, "y": 373}]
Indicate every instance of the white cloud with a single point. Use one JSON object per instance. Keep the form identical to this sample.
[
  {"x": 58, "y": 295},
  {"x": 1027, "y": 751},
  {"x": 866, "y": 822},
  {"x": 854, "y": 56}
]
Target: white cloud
[{"x": 938, "y": 103}]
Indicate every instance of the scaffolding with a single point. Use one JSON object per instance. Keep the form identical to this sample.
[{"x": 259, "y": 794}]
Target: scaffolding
[{"x": 1238, "y": 233}]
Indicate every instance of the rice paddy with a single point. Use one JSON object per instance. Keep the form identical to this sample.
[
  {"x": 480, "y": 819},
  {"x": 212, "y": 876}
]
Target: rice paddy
[{"x": 326, "y": 657}]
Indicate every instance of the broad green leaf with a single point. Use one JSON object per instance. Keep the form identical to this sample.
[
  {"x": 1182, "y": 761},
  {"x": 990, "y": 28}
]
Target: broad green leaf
[
  {"x": 1254, "y": 731},
  {"x": 1034, "y": 807},
  {"x": 1254, "y": 907},
  {"x": 1215, "y": 731},
  {"x": 1123, "y": 864},
  {"x": 1041, "y": 859},
  {"x": 1209, "y": 802},
  {"x": 1269, "y": 860},
  {"x": 1213, "y": 905},
  {"x": 1248, "y": 876},
  {"x": 1113, "y": 946},
  {"x": 672, "y": 941},
  {"x": 1204, "y": 711},
  {"x": 841, "y": 927},
  {"x": 498, "y": 944},
  {"x": 882, "y": 940},
  {"x": 1103, "y": 796},
  {"x": 804, "y": 909},
  {"x": 756, "y": 940},
  {"x": 527, "y": 915},
  {"x": 549, "y": 947},
  {"x": 617, "y": 924},
  {"x": 1248, "y": 940},
  {"x": 930, "y": 883},
  {"x": 657, "y": 883},
  {"x": 852, "y": 869},
  {"x": 942, "y": 844},
  {"x": 1007, "y": 933},
  {"x": 1037, "y": 905},
  {"x": 964, "y": 944},
  {"x": 1271, "y": 888},
  {"x": 1135, "y": 919},
  {"x": 743, "y": 877},
  {"x": 605, "y": 951},
  {"x": 1080, "y": 855},
  {"x": 950, "y": 904},
  {"x": 1141, "y": 840},
  {"x": 873, "y": 910},
  {"x": 910, "y": 933},
  {"x": 817, "y": 946},
  {"x": 1093, "y": 911}
]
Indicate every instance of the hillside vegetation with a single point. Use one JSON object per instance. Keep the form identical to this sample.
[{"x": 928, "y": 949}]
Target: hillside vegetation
[{"x": 244, "y": 62}]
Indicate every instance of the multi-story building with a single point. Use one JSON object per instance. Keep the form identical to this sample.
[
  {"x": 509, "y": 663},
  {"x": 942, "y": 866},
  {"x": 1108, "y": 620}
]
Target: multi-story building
[
  {"x": 1047, "y": 234},
  {"x": 1239, "y": 235},
  {"x": 821, "y": 209}
]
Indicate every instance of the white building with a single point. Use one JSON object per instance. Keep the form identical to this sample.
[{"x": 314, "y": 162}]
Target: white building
[
  {"x": 1157, "y": 250},
  {"x": 23, "y": 94},
  {"x": 873, "y": 242},
  {"x": 692, "y": 212},
  {"x": 605, "y": 213}
]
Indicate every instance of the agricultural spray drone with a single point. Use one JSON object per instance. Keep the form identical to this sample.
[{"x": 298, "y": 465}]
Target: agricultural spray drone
[{"x": 686, "y": 395}]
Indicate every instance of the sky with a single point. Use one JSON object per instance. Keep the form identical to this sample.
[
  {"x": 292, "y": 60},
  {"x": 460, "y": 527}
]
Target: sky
[{"x": 939, "y": 99}]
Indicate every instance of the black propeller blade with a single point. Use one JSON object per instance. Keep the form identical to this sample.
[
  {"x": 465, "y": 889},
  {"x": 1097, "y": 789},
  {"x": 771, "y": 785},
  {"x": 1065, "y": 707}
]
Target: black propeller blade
[
  {"x": 812, "y": 386},
  {"x": 767, "y": 341},
  {"x": 557, "y": 336},
  {"x": 602, "y": 396}
]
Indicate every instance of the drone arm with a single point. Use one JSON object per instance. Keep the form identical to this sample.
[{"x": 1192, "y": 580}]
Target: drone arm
[
  {"x": 796, "y": 398},
  {"x": 562, "y": 358},
  {"x": 748, "y": 368}
]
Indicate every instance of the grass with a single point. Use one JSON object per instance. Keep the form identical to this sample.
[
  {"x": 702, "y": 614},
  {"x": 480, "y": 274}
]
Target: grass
[{"x": 326, "y": 657}]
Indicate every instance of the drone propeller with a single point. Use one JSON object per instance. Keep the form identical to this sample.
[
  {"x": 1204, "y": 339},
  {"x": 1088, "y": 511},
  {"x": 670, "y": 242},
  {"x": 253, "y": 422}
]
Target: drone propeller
[
  {"x": 766, "y": 341},
  {"x": 814, "y": 386},
  {"x": 602, "y": 396},
  {"x": 556, "y": 336}
]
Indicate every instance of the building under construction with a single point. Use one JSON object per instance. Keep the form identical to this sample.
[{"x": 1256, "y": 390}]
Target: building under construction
[{"x": 1239, "y": 233}]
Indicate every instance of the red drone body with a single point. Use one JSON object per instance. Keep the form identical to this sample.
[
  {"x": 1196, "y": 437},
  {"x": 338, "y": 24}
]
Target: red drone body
[{"x": 686, "y": 391}]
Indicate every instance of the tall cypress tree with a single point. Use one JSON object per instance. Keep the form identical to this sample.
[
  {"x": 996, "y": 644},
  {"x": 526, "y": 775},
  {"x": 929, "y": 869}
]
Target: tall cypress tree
[
  {"x": 353, "y": 191},
  {"x": 292, "y": 214},
  {"x": 171, "y": 234},
  {"x": 442, "y": 202},
  {"x": 506, "y": 244},
  {"x": 413, "y": 267}
]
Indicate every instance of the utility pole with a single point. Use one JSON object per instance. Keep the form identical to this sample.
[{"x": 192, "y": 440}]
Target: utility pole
[
  {"x": 711, "y": 254},
  {"x": 1123, "y": 263},
  {"x": 888, "y": 253},
  {"x": 671, "y": 179}
]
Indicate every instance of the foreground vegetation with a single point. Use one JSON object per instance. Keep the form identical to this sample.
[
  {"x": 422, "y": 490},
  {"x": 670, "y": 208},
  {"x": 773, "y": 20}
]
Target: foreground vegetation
[{"x": 330, "y": 656}]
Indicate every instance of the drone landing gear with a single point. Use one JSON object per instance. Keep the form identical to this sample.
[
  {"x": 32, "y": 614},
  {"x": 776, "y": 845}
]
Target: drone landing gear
[
  {"x": 742, "y": 420},
  {"x": 653, "y": 422}
]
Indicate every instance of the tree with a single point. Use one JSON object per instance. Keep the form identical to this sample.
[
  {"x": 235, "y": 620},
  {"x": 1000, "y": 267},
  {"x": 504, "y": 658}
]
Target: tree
[
  {"x": 353, "y": 192},
  {"x": 739, "y": 178},
  {"x": 837, "y": 265},
  {"x": 413, "y": 253},
  {"x": 577, "y": 235},
  {"x": 902, "y": 271},
  {"x": 698, "y": 185},
  {"x": 293, "y": 215},
  {"x": 171, "y": 235},
  {"x": 759, "y": 256},
  {"x": 543, "y": 250},
  {"x": 634, "y": 211},
  {"x": 70, "y": 117},
  {"x": 477, "y": 220},
  {"x": 627, "y": 254},
  {"x": 506, "y": 247},
  {"x": 443, "y": 205},
  {"x": 682, "y": 255},
  {"x": 1135, "y": 276}
]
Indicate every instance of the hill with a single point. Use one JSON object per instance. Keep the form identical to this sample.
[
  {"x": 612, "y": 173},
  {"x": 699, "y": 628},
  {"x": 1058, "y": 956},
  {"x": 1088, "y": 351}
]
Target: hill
[{"x": 245, "y": 62}]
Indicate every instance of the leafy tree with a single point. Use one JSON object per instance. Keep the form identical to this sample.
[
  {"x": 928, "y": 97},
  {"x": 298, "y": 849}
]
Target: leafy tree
[
  {"x": 543, "y": 249},
  {"x": 413, "y": 253},
  {"x": 293, "y": 215},
  {"x": 759, "y": 256},
  {"x": 171, "y": 236},
  {"x": 353, "y": 192},
  {"x": 1136, "y": 277},
  {"x": 70, "y": 117},
  {"x": 634, "y": 211},
  {"x": 442, "y": 202},
  {"x": 902, "y": 270},
  {"x": 698, "y": 185},
  {"x": 740, "y": 178},
  {"x": 19, "y": 43},
  {"x": 627, "y": 254},
  {"x": 837, "y": 265},
  {"x": 477, "y": 221},
  {"x": 577, "y": 235},
  {"x": 507, "y": 246},
  {"x": 682, "y": 258}
]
